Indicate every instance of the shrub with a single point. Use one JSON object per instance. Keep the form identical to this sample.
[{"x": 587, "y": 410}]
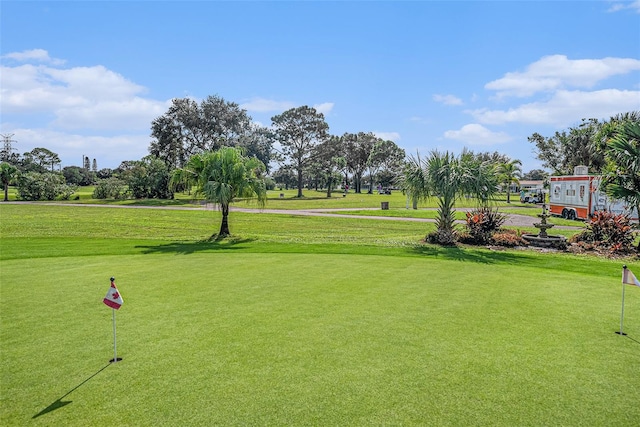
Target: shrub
[
  {"x": 606, "y": 231},
  {"x": 465, "y": 237},
  {"x": 483, "y": 222},
  {"x": 438, "y": 237},
  {"x": 43, "y": 186},
  {"x": 509, "y": 238},
  {"x": 110, "y": 188}
]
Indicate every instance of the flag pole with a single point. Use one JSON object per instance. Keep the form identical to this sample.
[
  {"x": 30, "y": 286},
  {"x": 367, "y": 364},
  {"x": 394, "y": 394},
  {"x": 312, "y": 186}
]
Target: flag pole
[
  {"x": 115, "y": 353},
  {"x": 624, "y": 267}
]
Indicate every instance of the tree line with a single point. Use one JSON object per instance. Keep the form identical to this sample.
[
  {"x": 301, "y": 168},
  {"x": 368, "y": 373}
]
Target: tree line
[{"x": 306, "y": 154}]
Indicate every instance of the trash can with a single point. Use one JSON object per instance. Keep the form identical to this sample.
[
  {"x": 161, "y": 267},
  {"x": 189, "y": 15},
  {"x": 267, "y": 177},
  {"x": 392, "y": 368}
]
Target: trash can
[{"x": 384, "y": 206}]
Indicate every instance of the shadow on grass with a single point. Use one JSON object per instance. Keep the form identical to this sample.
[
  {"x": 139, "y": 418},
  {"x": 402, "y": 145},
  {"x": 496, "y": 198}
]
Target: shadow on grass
[
  {"x": 59, "y": 403},
  {"x": 471, "y": 255},
  {"x": 633, "y": 339},
  {"x": 186, "y": 248}
]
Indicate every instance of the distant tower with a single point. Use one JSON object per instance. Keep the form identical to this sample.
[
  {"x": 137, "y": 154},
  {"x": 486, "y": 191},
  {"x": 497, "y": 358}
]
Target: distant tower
[{"x": 7, "y": 148}]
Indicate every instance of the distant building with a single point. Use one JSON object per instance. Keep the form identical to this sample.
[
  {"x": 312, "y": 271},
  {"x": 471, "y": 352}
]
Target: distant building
[{"x": 528, "y": 186}]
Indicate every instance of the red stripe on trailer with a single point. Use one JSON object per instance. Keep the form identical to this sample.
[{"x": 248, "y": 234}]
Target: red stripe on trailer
[{"x": 571, "y": 178}]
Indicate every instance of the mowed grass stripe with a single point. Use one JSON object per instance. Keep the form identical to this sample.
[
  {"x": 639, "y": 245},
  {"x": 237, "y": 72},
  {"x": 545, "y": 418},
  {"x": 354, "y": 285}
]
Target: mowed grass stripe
[{"x": 270, "y": 339}]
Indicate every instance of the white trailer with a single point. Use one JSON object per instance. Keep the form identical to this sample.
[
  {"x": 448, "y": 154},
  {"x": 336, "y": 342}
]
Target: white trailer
[{"x": 578, "y": 196}]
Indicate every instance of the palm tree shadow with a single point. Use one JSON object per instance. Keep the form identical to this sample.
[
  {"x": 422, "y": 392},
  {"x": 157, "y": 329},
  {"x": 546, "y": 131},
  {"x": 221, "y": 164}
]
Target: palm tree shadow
[
  {"x": 59, "y": 403},
  {"x": 186, "y": 248},
  {"x": 455, "y": 253}
]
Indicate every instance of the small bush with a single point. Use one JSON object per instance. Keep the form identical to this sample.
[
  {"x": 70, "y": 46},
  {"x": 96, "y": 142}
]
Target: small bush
[
  {"x": 509, "y": 238},
  {"x": 465, "y": 237},
  {"x": 440, "y": 237},
  {"x": 483, "y": 222},
  {"x": 606, "y": 231},
  {"x": 110, "y": 188}
]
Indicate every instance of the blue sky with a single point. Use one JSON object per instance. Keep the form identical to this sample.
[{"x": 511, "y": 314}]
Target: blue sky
[{"x": 87, "y": 78}]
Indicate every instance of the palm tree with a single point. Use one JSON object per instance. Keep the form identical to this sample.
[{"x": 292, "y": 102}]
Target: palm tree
[
  {"x": 7, "y": 173},
  {"x": 622, "y": 179},
  {"x": 510, "y": 173},
  {"x": 221, "y": 176},
  {"x": 412, "y": 181},
  {"x": 450, "y": 178}
]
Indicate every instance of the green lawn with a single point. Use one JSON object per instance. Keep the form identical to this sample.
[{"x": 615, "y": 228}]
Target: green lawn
[{"x": 302, "y": 321}]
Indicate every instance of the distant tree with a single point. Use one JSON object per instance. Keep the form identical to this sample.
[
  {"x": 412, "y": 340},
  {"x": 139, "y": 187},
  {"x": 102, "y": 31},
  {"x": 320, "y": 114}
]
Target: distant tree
[
  {"x": 509, "y": 173},
  {"x": 148, "y": 178},
  {"x": 75, "y": 175},
  {"x": 38, "y": 160},
  {"x": 221, "y": 176},
  {"x": 535, "y": 175},
  {"x": 94, "y": 166},
  {"x": 285, "y": 177},
  {"x": 495, "y": 158},
  {"x": 45, "y": 158},
  {"x": 298, "y": 131},
  {"x": 104, "y": 173},
  {"x": 8, "y": 172},
  {"x": 358, "y": 149},
  {"x": 86, "y": 163},
  {"x": 258, "y": 142},
  {"x": 568, "y": 149},
  {"x": 384, "y": 156},
  {"x": 329, "y": 158},
  {"x": 188, "y": 128}
]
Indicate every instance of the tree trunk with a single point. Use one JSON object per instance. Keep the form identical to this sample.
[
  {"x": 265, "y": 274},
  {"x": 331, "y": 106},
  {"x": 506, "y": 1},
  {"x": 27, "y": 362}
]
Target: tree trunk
[
  {"x": 299, "y": 182},
  {"x": 329, "y": 187},
  {"x": 224, "y": 226},
  {"x": 6, "y": 192},
  {"x": 508, "y": 198}
]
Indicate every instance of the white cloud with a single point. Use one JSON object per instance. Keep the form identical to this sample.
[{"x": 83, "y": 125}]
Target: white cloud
[
  {"x": 565, "y": 108},
  {"x": 37, "y": 55},
  {"x": 324, "y": 108},
  {"x": 129, "y": 114},
  {"x": 389, "y": 136},
  {"x": 634, "y": 5},
  {"x": 475, "y": 134},
  {"x": 262, "y": 105},
  {"x": 108, "y": 151},
  {"x": 558, "y": 72},
  {"x": 78, "y": 98},
  {"x": 447, "y": 99}
]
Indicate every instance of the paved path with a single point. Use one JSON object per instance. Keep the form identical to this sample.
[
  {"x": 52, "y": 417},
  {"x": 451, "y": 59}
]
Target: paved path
[{"x": 513, "y": 220}]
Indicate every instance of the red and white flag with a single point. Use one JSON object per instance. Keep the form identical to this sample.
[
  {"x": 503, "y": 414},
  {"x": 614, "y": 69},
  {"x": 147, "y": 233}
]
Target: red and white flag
[
  {"x": 113, "y": 298},
  {"x": 629, "y": 278}
]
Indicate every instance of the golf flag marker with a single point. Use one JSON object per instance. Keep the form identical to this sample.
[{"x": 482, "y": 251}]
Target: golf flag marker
[
  {"x": 113, "y": 300},
  {"x": 628, "y": 278}
]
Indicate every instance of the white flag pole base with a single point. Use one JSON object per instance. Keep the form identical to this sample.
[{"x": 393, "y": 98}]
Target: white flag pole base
[{"x": 117, "y": 359}]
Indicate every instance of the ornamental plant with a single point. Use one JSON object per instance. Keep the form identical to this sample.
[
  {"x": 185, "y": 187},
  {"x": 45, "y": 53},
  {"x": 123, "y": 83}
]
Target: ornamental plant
[{"x": 607, "y": 231}]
